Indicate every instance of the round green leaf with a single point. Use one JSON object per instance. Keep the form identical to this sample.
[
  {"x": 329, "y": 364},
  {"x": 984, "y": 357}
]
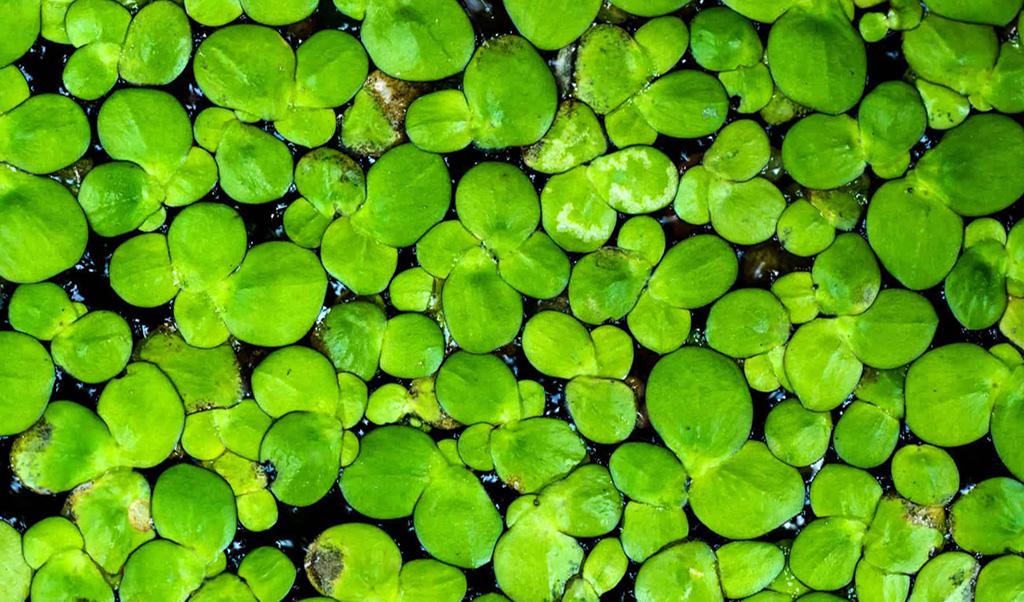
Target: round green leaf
[
  {"x": 796, "y": 435},
  {"x": 824, "y": 151},
  {"x": 699, "y": 403},
  {"x": 42, "y": 229},
  {"x": 45, "y": 133},
  {"x": 194, "y": 507},
  {"x": 481, "y": 311},
  {"x": 94, "y": 348},
  {"x": 477, "y": 388},
  {"x": 820, "y": 366},
  {"x": 455, "y": 519},
  {"x": 158, "y": 45},
  {"x": 246, "y": 67},
  {"x": 950, "y": 393},
  {"x": 747, "y": 322},
  {"x": 424, "y": 41},
  {"x": 917, "y": 262},
  {"x": 988, "y": 519},
  {"x": 748, "y": 494},
  {"x": 925, "y": 475},
  {"x": 511, "y": 93},
  {"x": 817, "y": 59},
  {"x": 275, "y": 296},
  {"x": 407, "y": 192},
  {"x": 684, "y": 104},
  {"x": 354, "y": 561},
  {"x": 660, "y": 578},
  {"x": 695, "y": 272},
  {"x": 394, "y": 467},
  {"x": 295, "y": 379},
  {"x": 305, "y": 450},
  {"x": 26, "y": 381},
  {"x": 551, "y": 26}
]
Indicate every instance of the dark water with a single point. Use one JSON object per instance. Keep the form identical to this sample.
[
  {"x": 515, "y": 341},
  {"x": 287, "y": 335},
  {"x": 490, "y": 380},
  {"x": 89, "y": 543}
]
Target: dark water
[{"x": 296, "y": 528}]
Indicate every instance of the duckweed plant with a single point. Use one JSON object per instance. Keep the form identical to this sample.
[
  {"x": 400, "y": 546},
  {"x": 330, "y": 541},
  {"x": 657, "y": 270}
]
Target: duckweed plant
[{"x": 512, "y": 300}]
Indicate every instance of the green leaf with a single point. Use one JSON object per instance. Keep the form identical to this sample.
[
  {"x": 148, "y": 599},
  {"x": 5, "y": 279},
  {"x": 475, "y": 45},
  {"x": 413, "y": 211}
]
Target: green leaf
[
  {"x": 268, "y": 572},
  {"x": 94, "y": 348},
  {"x": 246, "y": 67},
  {"x": 817, "y": 59},
  {"x": 26, "y": 381},
  {"x": 925, "y": 475},
  {"x": 949, "y": 575},
  {"x": 413, "y": 346},
  {"x": 865, "y": 435},
  {"x": 533, "y": 453},
  {"x": 158, "y": 45},
  {"x": 255, "y": 167},
  {"x": 747, "y": 322},
  {"x": 144, "y": 414},
  {"x": 895, "y": 330},
  {"x": 269, "y": 12},
  {"x": 695, "y": 272},
  {"x": 353, "y": 562},
  {"x": 989, "y": 519},
  {"x": 41, "y": 310},
  {"x": 351, "y": 336},
  {"x": 603, "y": 410},
  {"x": 477, "y": 388},
  {"x": 820, "y": 365},
  {"x": 971, "y": 177},
  {"x": 331, "y": 66},
  {"x": 550, "y": 26},
  {"x": 747, "y": 567},
  {"x": 20, "y": 29},
  {"x": 918, "y": 262},
  {"x": 606, "y": 284},
  {"x": 684, "y": 104},
  {"x": 723, "y": 40},
  {"x": 497, "y": 203},
  {"x": 747, "y": 495},
  {"x": 305, "y": 450},
  {"x": 650, "y": 8},
  {"x": 954, "y": 54},
  {"x": 275, "y": 296},
  {"x": 194, "y": 507},
  {"x": 649, "y": 474},
  {"x": 902, "y": 536},
  {"x": 826, "y": 551},
  {"x": 438, "y": 30},
  {"x": 511, "y": 93},
  {"x": 162, "y": 571},
  {"x": 295, "y": 379},
  {"x": 359, "y": 261},
  {"x": 481, "y": 311},
  {"x": 575, "y": 138},
  {"x": 67, "y": 447},
  {"x": 841, "y": 490},
  {"x": 206, "y": 241},
  {"x": 45, "y": 133},
  {"x": 824, "y": 151},
  {"x": 394, "y": 467},
  {"x": 950, "y": 393},
  {"x": 698, "y": 402},
  {"x": 660, "y": 578},
  {"x": 455, "y": 519},
  {"x": 407, "y": 192},
  {"x": 71, "y": 573},
  {"x": 796, "y": 435},
  {"x": 113, "y": 514}
]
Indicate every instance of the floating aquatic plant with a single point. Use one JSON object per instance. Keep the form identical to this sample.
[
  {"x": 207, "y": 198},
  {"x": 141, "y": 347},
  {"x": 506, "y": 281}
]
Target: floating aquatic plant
[{"x": 410, "y": 301}]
